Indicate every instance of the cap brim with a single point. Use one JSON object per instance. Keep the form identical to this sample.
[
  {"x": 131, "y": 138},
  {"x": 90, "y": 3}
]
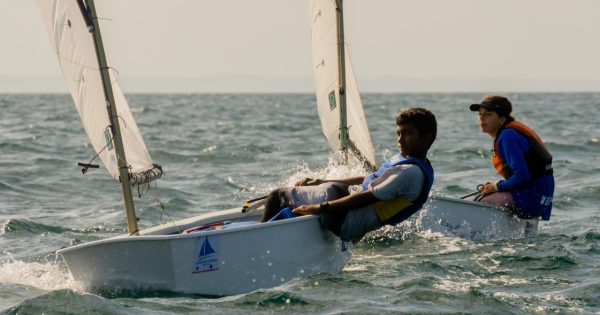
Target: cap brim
[{"x": 475, "y": 107}]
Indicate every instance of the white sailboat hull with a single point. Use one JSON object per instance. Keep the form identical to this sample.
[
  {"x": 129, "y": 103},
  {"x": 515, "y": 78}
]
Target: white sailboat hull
[
  {"x": 253, "y": 256},
  {"x": 237, "y": 260},
  {"x": 473, "y": 220}
]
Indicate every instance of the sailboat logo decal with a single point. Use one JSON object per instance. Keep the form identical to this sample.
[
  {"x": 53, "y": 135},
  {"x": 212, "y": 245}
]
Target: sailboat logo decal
[
  {"x": 206, "y": 257},
  {"x": 206, "y": 249}
]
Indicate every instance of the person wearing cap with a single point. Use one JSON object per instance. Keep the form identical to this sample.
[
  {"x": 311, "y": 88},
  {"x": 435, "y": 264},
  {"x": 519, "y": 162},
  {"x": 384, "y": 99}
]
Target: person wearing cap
[{"x": 520, "y": 157}]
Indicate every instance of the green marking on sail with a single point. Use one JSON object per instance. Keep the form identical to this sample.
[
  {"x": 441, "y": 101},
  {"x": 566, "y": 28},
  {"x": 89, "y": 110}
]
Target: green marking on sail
[
  {"x": 108, "y": 138},
  {"x": 332, "y": 100},
  {"x": 79, "y": 79}
]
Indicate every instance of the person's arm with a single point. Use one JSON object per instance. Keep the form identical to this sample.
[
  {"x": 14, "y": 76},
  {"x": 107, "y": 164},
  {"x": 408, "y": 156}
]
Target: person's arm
[
  {"x": 352, "y": 201},
  {"x": 512, "y": 147},
  {"x": 403, "y": 180},
  {"x": 348, "y": 181}
]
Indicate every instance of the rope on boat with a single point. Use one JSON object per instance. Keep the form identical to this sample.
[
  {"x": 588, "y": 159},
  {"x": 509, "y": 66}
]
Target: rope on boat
[{"x": 478, "y": 195}]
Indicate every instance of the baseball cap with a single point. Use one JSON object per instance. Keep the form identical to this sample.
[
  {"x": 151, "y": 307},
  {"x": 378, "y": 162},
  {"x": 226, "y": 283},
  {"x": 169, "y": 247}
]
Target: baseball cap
[{"x": 499, "y": 104}]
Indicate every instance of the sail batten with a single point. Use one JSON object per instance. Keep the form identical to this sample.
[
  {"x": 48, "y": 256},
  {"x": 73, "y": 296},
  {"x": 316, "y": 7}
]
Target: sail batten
[
  {"x": 326, "y": 57},
  {"x": 74, "y": 45}
]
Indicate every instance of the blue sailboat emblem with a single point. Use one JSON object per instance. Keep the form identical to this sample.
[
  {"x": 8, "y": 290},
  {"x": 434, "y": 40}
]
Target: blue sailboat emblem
[
  {"x": 207, "y": 255},
  {"x": 206, "y": 249}
]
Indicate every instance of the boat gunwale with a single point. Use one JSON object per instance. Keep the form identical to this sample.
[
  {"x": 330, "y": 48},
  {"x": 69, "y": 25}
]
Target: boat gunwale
[
  {"x": 504, "y": 210},
  {"x": 169, "y": 237}
]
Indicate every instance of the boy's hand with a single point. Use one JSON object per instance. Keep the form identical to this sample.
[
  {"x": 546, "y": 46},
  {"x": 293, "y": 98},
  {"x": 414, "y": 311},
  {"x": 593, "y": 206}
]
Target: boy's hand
[
  {"x": 488, "y": 188},
  {"x": 307, "y": 209}
]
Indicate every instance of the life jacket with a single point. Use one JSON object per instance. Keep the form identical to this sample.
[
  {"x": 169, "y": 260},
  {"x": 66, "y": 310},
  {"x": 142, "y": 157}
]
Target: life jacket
[
  {"x": 399, "y": 209},
  {"x": 538, "y": 158}
]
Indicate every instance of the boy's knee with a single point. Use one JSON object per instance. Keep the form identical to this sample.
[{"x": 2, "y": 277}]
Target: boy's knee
[{"x": 276, "y": 201}]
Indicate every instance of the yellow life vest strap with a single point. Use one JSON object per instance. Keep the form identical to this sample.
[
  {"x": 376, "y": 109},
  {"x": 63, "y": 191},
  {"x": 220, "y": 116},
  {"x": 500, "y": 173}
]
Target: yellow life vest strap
[{"x": 387, "y": 209}]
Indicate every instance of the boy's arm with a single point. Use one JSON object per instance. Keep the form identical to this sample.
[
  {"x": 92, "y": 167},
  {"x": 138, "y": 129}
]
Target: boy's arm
[
  {"x": 348, "y": 181},
  {"x": 352, "y": 201}
]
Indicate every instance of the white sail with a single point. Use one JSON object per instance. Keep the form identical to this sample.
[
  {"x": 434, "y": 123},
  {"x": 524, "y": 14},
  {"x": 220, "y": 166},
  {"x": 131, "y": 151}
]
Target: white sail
[
  {"x": 74, "y": 47},
  {"x": 326, "y": 71},
  {"x": 357, "y": 122}
]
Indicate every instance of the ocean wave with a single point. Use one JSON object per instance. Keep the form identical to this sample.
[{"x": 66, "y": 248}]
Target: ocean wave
[
  {"x": 19, "y": 227},
  {"x": 65, "y": 301},
  {"x": 6, "y": 188},
  {"x": 271, "y": 299},
  {"x": 24, "y": 226}
]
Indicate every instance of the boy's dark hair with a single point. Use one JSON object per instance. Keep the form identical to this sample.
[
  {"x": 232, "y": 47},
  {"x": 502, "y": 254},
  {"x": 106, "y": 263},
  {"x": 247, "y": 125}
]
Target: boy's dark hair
[{"x": 422, "y": 119}]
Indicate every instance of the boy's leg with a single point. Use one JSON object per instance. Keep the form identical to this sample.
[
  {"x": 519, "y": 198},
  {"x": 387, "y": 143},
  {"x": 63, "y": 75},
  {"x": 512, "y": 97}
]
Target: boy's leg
[
  {"x": 357, "y": 223},
  {"x": 310, "y": 195},
  {"x": 301, "y": 195},
  {"x": 276, "y": 200}
]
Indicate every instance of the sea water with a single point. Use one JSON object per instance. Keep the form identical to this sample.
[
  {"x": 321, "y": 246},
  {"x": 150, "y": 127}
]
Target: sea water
[{"x": 220, "y": 150}]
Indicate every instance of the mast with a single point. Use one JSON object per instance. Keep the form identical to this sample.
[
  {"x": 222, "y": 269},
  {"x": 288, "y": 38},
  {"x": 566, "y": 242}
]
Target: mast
[
  {"x": 344, "y": 137},
  {"x": 88, "y": 11}
]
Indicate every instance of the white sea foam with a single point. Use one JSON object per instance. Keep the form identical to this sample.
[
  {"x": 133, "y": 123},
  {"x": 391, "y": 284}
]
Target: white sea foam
[
  {"x": 333, "y": 170},
  {"x": 355, "y": 268},
  {"x": 45, "y": 276},
  {"x": 209, "y": 149},
  {"x": 547, "y": 303},
  {"x": 459, "y": 284},
  {"x": 429, "y": 235}
]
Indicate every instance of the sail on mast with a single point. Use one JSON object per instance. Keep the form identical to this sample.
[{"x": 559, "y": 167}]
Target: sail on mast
[
  {"x": 75, "y": 36},
  {"x": 75, "y": 49},
  {"x": 331, "y": 90}
]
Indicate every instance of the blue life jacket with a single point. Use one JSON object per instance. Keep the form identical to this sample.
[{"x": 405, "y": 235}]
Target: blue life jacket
[{"x": 397, "y": 210}]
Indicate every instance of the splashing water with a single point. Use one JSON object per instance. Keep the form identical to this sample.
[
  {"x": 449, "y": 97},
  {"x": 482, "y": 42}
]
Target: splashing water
[
  {"x": 333, "y": 170},
  {"x": 45, "y": 276}
]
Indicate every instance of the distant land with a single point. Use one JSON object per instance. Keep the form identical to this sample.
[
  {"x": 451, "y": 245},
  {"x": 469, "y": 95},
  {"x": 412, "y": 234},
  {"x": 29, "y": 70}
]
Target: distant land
[{"x": 229, "y": 83}]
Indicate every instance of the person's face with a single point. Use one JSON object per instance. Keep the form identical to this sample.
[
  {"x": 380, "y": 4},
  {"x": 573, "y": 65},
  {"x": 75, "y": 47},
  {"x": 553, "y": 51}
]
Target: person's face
[
  {"x": 490, "y": 122},
  {"x": 410, "y": 141}
]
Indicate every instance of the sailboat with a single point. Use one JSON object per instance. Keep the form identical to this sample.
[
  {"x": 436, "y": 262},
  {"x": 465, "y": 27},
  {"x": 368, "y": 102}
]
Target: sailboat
[
  {"x": 345, "y": 127},
  {"x": 218, "y": 253}
]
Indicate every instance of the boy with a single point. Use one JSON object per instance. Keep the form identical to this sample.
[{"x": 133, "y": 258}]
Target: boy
[{"x": 354, "y": 206}]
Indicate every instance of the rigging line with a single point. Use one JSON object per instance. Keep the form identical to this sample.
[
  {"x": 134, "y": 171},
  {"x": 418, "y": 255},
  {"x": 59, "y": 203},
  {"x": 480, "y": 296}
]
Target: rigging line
[
  {"x": 75, "y": 63},
  {"x": 96, "y": 17},
  {"x": 106, "y": 19},
  {"x": 153, "y": 191},
  {"x": 85, "y": 168},
  {"x": 129, "y": 167},
  {"x": 118, "y": 74},
  {"x": 161, "y": 205},
  {"x": 123, "y": 120}
]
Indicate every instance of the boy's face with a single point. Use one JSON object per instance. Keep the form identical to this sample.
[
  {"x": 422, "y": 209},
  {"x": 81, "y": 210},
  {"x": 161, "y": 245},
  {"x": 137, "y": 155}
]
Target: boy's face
[
  {"x": 410, "y": 141},
  {"x": 490, "y": 122}
]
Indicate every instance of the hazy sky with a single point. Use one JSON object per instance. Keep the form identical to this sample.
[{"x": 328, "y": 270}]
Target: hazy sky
[{"x": 264, "y": 45}]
